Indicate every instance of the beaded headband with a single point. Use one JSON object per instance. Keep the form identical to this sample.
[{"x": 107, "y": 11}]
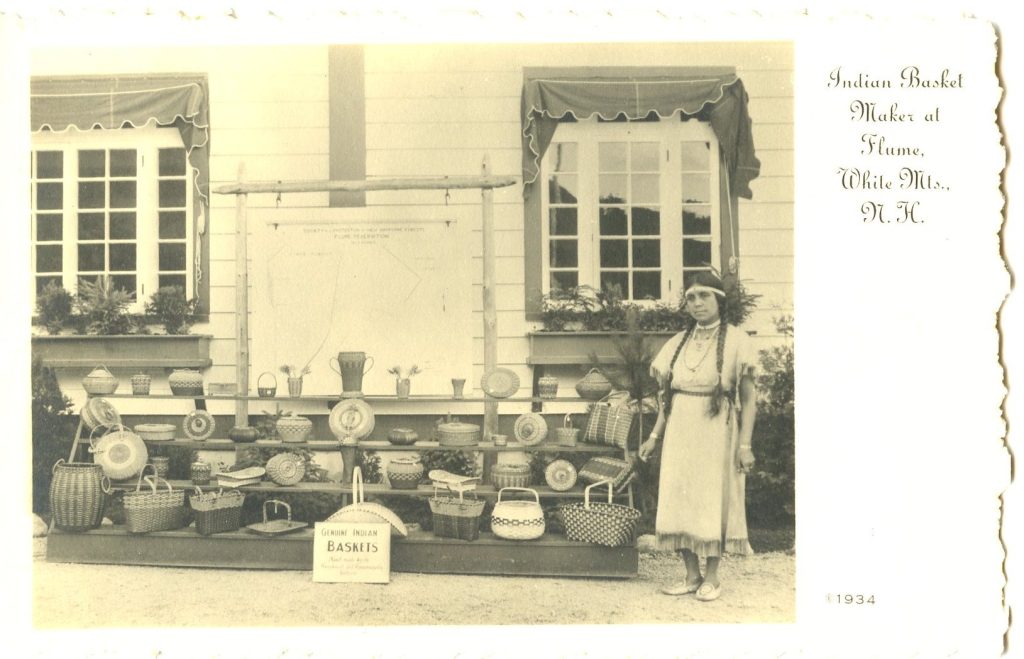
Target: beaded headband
[{"x": 701, "y": 287}]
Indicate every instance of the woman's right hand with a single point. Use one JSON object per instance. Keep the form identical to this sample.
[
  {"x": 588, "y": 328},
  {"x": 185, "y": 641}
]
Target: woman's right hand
[{"x": 647, "y": 449}]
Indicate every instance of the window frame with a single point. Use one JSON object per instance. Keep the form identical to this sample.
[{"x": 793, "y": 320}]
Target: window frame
[
  {"x": 146, "y": 141},
  {"x": 669, "y": 133}
]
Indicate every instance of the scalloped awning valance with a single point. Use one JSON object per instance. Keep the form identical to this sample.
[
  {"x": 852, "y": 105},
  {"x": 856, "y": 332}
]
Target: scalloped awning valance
[
  {"x": 716, "y": 95},
  {"x": 112, "y": 102}
]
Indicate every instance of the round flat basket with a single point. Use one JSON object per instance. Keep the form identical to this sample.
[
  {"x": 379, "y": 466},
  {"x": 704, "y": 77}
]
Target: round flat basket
[
  {"x": 530, "y": 429},
  {"x": 500, "y": 383},
  {"x": 351, "y": 418},
  {"x": 286, "y": 469},
  {"x": 99, "y": 412},
  {"x": 560, "y": 475},
  {"x": 198, "y": 425},
  {"x": 121, "y": 453}
]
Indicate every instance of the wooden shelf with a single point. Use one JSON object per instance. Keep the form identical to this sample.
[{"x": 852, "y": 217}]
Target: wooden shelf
[
  {"x": 422, "y": 552},
  {"x": 370, "y": 489},
  {"x": 384, "y": 445},
  {"x": 367, "y": 399}
]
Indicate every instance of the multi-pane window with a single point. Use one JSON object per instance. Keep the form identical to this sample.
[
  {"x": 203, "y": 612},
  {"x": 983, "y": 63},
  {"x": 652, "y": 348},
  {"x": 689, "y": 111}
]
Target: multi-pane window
[
  {"x": 113, "y": 204},
  {"x": 630, "y": 205}
]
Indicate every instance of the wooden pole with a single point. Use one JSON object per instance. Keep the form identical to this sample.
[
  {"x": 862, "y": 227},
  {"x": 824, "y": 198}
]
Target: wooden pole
[
  {"x": 435, "y": 183},
  {"x": 241, "y": 303},
  {"x": 490, "y": 305}
]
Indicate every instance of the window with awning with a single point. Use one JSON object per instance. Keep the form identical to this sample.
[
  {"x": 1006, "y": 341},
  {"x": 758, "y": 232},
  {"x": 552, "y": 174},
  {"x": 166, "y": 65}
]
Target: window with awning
[
  {"x": 613, "y": 99},
  {"x": 108, "y": 197}
]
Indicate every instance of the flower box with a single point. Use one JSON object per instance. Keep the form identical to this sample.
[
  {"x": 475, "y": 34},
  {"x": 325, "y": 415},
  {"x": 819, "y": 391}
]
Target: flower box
[
  {"x": 576, "y": 347},
  {"x": 124, "y": 351}
]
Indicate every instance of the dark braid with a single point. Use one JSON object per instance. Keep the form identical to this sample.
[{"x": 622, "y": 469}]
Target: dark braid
[
  {"x": 666, "y": 387},
  {"x": 716, "y": 397}
]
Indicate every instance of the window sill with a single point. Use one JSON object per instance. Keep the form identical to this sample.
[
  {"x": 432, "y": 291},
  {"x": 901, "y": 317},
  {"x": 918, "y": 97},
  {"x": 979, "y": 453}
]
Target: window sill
[{"x": 124, "y": 351}]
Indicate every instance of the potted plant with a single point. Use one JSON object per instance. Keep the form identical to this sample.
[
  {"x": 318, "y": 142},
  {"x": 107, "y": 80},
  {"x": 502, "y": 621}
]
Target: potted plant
[
  {"x": 403, "y": 379},
  {"x": 54, "y": 305},
  {"x": 105, "y": 332},
  {"x": 169, "y": 307}
]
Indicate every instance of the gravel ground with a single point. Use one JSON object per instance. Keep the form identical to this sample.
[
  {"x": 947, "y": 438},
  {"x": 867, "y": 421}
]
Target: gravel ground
[{"x": 758, "y": 588}]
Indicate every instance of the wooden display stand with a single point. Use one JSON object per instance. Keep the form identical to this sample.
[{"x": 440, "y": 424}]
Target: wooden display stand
[{"x": 550, "y": 555}]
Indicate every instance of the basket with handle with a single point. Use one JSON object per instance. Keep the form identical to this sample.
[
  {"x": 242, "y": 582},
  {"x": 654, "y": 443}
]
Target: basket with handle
[
  {"x": 456, "y": 517},
  {"x": 156, "y": 509},
  {"x": 609, "y": 524},
  {"x": 567, "y": 434},
  {"x": 217, "y": 512},
  {"x": 361, "y": 510},
  {"x": 266, "y": 390},
  {"x": 517, "y": 520}
]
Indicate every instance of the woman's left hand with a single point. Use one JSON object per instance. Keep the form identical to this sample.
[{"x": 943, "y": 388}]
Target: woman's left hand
[{"x": 744, "y": 460}]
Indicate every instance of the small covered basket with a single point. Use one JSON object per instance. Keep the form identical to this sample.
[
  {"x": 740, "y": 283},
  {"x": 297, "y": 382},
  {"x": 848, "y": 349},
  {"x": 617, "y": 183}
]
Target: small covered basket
[{"x": 99, "y": 382}]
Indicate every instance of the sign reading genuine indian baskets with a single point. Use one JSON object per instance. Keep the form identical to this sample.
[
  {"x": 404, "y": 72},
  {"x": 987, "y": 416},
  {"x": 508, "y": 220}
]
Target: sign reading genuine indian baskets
[{"x": 352, "y": 552}]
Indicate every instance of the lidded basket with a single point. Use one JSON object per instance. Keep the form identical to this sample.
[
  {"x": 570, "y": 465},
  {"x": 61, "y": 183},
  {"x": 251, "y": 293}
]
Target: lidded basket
[
  {"x": 594, "y": 385},
  {"x": 510, "y": 474},
  {"x": 547, "y": 386},
  {"x": 99, "y": 382},
  {"x": 186, "y": 382}
]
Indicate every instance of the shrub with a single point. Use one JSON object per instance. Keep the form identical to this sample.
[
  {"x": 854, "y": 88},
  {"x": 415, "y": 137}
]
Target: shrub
[
  {"x": 169, "y": 307},
  {"x": 52, "y": 432},
  {"x": 104, "y": 308},
  {"x": 54, "y": 307},
  {"x": 770, "y": 487}
]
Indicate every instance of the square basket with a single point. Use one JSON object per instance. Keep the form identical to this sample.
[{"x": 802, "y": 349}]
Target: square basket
[
  {"x": 456, "y": 518},
  {"x": 216, "y": 512}
]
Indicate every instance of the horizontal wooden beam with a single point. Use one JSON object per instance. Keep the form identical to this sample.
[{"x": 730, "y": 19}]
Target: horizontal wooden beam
[{"x": 442, "y": 183}]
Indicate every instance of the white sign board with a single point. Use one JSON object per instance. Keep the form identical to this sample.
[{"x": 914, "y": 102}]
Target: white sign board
[
  {"x": 400, "y": 291},
  {"x": 347, "y": 552}
]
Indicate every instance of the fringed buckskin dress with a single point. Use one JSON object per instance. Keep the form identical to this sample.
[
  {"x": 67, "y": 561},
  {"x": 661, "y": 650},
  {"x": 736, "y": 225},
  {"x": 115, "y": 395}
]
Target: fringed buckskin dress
[{"x": 701, "y": 495}]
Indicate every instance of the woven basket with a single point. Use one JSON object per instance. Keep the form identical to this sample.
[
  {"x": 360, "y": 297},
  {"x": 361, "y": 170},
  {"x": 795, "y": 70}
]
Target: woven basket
[
  {"x": 266, "y": 390},
  {"x": 458, "y": 434},
  {"x": 510, "y": 474},
  {"x": 98, "y": 412},
  {"x": 294, "y": 428},
  {"x": 155, "y": 510},
  {"x": 518, "y": 520},
  {"x": 140, "y": 384},
  {"x": 186, "y": 382},
  {"x": 567, "y": 434},
  {"x": 608, "y": 524},
  {"x": 404, "y": 474},
  {"x": 361, "y": 510},
  {"x": 547, "y": 386},
  {"x": 155, "y": 432},
  {"x": 455, "y": 517},
  {"x": 217, "y": 512},
  {"x": 594, "y": 385},
  {"x": 78, "y": 493},
  {"x": 100, "y": 382},
  {"x": 286, "y": 469}
]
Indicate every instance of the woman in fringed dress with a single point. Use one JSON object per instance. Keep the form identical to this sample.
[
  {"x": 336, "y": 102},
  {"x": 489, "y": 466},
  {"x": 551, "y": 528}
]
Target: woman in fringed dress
[{"x": 706, "y": 416}]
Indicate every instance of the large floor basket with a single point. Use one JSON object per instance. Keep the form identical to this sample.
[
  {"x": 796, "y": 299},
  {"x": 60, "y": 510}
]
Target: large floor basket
[
  {"x": 455, "y": 517},
  {"x": 217, "y": 512},
  {"x": 608, "y": 524}
]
